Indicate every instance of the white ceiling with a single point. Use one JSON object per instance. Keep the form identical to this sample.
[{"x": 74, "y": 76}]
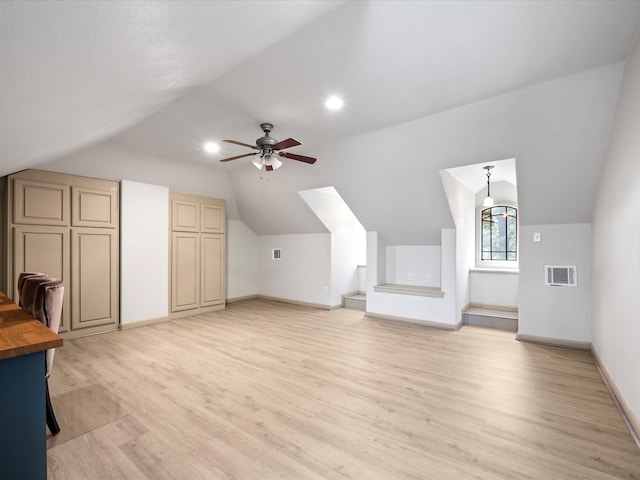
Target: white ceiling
[
  {"x": 393, "y": 61},
  {"x": 74, "y": 73},
  {"x": 165, "y": 76}
]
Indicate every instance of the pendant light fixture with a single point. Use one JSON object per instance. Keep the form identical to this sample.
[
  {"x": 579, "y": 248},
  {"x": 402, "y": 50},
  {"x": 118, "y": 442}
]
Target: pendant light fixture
[{"x": 488, "y": 201}]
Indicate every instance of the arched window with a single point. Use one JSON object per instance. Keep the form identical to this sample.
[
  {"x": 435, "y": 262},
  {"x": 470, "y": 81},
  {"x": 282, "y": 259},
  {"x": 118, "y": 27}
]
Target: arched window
[{"x": 500, "y": 233}]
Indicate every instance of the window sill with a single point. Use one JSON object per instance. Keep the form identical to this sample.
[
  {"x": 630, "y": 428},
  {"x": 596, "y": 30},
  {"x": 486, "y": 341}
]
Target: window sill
[
  {"x": 508, "y": 271},
  {"x": 409, "y": 290}
]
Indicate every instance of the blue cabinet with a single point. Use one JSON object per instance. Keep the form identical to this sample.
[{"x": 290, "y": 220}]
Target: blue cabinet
[{"x": 23, "y": 448}]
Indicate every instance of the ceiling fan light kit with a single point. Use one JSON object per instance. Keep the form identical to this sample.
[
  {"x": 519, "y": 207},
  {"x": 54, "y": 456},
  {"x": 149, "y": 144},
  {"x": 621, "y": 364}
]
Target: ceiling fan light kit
[{"x": 269, "y": 149}]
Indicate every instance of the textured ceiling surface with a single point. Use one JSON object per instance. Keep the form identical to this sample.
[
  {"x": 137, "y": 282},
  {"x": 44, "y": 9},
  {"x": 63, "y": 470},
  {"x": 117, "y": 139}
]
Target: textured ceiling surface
[
  {"x": 74, "y": 73},
  {"x": 162, "y": 77}
]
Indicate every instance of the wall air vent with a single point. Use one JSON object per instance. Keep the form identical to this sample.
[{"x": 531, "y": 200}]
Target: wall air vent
[
  {"x": 561, "y": 275},
  {"x": 276, "y": 254}
]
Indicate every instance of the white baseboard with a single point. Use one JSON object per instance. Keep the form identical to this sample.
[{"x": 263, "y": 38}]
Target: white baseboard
[
  {"x": 197, "y": 311},
  {"x": 302, "y": 304},
  {"x": 241, "y": 299},
  {"x": 143, "y": 323},
  {"x": 554, "y": 342},
  {"x": 627, "y": 415},
  {"x": 414, "y": 321}
]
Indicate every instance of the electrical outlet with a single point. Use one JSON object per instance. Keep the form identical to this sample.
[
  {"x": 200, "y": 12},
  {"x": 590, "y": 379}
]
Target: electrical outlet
[
  {"x": 326, "y": 289},
  {"x": 536, "y": 236},
  {"x": 427, "y": 278},
  {"x": 410, "y": 277}
]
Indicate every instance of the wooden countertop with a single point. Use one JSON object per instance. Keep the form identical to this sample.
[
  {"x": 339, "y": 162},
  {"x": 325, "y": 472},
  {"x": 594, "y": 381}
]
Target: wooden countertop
[{"x": 21, "y": 333}]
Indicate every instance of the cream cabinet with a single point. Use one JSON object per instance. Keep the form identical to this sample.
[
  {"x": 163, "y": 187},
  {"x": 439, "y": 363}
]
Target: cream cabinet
[
  {"x": 197, "y": 256},
  {"x": 40, "y": 203},
  {"x": 94, "y": 290},
  {"x": 185, "y": 270},
  {"x": 211, "y": 269},
  {"x": 43, "y": 249},
  {"x": 67, "y": 227}
]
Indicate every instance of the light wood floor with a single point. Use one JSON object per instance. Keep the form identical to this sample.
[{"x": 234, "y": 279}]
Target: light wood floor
[{"x": 265, "y": 390}]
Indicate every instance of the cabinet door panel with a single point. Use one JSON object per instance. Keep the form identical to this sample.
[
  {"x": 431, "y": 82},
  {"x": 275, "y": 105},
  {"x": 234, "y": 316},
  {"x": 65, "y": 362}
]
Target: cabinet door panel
[
  {"x": 46, "y": 250},
  {"x": 212, "y": 219},
  {"x": 185, "y": 216},
  {"x": 185, "y": 271},
  {"x": 94, "y": 208},
  {"x": 38, "y": 203},
  {"x": 212, "y": 274},
  {"x": 95, "y": 274}
]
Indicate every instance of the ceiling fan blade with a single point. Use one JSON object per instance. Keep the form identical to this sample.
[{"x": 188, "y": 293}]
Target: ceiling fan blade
[
  {"x": 288, "y": 143},
  {"x": 238, "y": 156},
  {"x": 243, "y": 144},
  {"x": 300, "y": 158}
]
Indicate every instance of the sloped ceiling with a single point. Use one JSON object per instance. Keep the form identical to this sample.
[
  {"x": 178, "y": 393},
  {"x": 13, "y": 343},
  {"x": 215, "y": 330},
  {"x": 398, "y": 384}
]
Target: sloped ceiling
[
  {"x": 74, "y": 73},
  {"x": 427, "y": 85}
]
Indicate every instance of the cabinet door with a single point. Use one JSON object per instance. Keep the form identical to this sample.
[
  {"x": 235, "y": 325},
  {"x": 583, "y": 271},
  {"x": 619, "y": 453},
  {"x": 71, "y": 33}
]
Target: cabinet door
[
  {"x": 46, "y": 250},
  {"x": 212, "y": 219},
  {"x": 212, "y": 269},
  {"x": 94, "y": 257},
  {"x": 185, "y": 216},
  {"x": 185, "y": 271},
  {"x": 37, "y": 203},
  {"x": 94, "y": 208}
]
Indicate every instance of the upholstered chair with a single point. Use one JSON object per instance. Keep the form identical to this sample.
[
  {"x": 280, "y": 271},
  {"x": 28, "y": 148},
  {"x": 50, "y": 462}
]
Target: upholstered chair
[{"x": 42, "y": 297}]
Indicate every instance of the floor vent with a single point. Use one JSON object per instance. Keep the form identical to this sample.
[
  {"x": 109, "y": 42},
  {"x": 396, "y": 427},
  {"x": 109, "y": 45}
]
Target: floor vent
[{"x": 561, "y": 275}]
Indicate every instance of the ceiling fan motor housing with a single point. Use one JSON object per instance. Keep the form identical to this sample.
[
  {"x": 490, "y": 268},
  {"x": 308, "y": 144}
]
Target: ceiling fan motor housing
[{"x": 267, "y": 141}]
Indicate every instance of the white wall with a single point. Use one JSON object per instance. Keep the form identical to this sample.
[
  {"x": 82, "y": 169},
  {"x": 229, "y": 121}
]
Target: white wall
[
  {"x": 413, "y": 307},
  {"x": 348, "y": 239},
  {"x": 376, "y": 260},
  {"x": 362, "y": 276},
  {"x": 144, "y": 252},
  {"x": 462, "y": 206},
  {"x": 347, "y": 251},
  {"x": 302, "y": 273},
  {"x": 562, "y": 313},
  {"x": 616, "y": 244},
  {"x": 494, "y": 289},
  {"x": 112, "y": 161},
  {"x": 242, "y": 260},
  {"x": 410, "y": 265}
]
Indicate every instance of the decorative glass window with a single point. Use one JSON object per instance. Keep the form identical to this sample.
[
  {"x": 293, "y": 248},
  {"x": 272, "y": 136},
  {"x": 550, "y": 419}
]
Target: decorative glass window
[{"x": 500, "y": 233}]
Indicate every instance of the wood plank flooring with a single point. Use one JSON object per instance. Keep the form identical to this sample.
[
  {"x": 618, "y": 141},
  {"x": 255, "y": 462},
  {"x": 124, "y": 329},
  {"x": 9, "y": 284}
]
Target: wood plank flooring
[{"x": 266, "y": 390}]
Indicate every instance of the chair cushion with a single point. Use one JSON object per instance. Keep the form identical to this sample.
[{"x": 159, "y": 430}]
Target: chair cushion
[
  {"x": 22, "y": 278},
  {"x": 29, "y": 286}
]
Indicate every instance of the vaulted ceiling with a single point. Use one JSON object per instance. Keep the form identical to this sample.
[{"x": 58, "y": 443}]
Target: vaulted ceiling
[{"x": 427, "y": 85}]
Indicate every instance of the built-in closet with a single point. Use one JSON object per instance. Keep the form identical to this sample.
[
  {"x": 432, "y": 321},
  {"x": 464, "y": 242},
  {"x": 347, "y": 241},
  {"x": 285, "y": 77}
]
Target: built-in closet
[
  {"x": 67, "y": 227},
  {"x": 197, "y": 254}
]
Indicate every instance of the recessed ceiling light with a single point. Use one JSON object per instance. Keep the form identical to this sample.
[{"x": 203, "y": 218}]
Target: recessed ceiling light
[
  {"x": 334, "y": 103},
  {"x": 211, "y": 147}
]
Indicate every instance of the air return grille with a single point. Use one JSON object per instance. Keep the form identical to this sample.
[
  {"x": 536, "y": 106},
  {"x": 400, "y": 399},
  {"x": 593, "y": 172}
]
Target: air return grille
[
  {"x": 276, "y": 254},
  {"x": 561, "y": 275}
]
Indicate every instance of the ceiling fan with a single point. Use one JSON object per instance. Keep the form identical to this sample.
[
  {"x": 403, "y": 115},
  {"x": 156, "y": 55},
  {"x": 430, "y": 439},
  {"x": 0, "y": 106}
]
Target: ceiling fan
[{"x": 270, "y": 150}]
